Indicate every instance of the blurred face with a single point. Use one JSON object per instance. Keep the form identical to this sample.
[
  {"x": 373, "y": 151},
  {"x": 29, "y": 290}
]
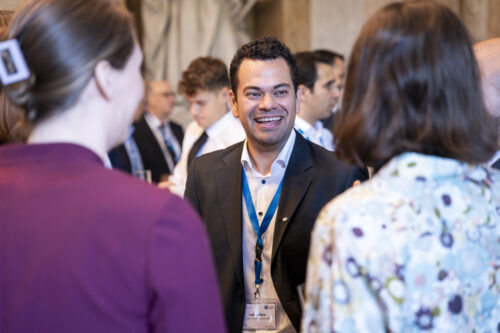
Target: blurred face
[
  {"x": 207, "y": 107},
  {"x": 161, "y": 98},
  {"x": 128, "y": 90},
  {"x": 325, "y": 94},
  {"x": 339, "y": 74},
  {"x": 266, "y": 103}
]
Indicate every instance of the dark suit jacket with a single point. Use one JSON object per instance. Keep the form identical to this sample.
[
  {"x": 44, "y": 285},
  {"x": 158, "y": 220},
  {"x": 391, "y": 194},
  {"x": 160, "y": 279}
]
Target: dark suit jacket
[
  {"x": 313, "y": 177},
  {"x": 149, "y": 149},
  {"x": 86, "y": 249}
]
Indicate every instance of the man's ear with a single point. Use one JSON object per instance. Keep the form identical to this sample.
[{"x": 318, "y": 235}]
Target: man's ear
[
  {"x": 303, "y": 92},
  {"x": 103, "y": 76},
  {"x": 234, "y": 104}
]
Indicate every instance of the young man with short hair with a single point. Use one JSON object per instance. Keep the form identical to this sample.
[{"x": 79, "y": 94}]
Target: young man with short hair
[{"x": 205, "y": 85}]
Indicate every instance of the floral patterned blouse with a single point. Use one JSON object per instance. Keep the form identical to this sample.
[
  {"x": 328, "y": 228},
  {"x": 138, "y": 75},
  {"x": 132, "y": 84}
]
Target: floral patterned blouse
[{"x": 416, "y": 248}]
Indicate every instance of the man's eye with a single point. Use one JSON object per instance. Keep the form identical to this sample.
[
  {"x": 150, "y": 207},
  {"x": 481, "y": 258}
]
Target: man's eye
[
  {"x": 252, "y": 94},
  {"x": 280, "y": 93}
]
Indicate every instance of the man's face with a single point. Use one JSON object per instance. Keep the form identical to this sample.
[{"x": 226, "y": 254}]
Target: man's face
[
  {"x": 266, "y": 103},
  {"x": 161, "y": 99},
  {"x": 325, "y": 94},
  {"x": 207, "y": 107},
  {"x": 339, "y": 75}
]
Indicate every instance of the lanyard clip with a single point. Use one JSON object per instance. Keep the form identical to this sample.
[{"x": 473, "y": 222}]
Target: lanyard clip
[
  {"x": 258, "y": 252},
  {"x": 257, "y": 291}
]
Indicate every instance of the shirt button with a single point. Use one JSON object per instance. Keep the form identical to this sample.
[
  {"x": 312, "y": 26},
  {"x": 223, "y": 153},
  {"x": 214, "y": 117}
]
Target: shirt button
[{"x": 263, "y": 181}]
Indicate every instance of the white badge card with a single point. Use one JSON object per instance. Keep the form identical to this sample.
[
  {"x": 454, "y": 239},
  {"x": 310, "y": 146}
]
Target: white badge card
[{"x": 261, "y": 315}]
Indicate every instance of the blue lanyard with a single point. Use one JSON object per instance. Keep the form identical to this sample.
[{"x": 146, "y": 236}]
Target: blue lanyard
[{"x": 259, "y": 230}]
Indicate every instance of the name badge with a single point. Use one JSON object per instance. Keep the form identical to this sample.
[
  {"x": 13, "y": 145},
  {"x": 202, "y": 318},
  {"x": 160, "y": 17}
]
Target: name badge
[{"x": 261, "y": 315}]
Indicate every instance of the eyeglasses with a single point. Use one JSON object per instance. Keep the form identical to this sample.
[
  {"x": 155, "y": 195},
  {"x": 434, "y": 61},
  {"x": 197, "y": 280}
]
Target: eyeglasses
[{"x": 167, "y": 94}]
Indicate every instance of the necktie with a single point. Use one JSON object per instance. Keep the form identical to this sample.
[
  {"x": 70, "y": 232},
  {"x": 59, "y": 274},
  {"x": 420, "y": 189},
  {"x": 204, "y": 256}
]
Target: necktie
[
  {"x": 196, "y": 147},
  {"x": 169, "y": 144},
  {"x": 496, "y": 165}
]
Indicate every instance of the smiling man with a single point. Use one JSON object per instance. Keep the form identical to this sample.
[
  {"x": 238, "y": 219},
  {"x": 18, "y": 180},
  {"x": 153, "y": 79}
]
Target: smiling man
[{"x": 259, "y": 198}]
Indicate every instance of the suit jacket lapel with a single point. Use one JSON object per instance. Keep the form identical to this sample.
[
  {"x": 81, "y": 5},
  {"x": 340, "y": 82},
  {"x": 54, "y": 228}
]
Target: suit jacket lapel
[
  {"x": 295, "y": 185},
  {"x": 228, "y": 179}
]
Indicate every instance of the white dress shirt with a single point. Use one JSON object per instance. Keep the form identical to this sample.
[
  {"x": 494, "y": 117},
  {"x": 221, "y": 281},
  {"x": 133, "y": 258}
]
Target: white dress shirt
[
  {"x": 223, "y": 133},
  {"x": 494, "y": 158},
  {"x": 262, "y": 189},
  {"x": 317, "y": 133}
]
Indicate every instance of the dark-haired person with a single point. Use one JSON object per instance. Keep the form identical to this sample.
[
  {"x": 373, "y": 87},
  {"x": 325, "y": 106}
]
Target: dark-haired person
[
  {"x": 316, "y": 79},
  {"x": 338, "y": 63},
  {"x": 275, "y": 178},
  {"x": 205, "y": 85},
  {"x": 84, "y": 248},
  {"x": 488, "y": 57},
  {"x": 416, "y": 248}
]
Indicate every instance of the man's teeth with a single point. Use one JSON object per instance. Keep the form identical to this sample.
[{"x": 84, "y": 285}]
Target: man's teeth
[{"x": 268, "y": 119}]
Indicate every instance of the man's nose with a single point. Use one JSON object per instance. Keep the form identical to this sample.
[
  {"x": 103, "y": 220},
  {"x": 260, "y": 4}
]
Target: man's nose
[
  {"x": 267, "y": 102},
  {"x": 193, "y": 109}
]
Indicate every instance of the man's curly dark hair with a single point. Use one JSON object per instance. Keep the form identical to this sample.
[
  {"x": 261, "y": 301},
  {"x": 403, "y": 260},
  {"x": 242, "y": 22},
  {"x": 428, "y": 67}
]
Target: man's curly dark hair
[{"x": 268, "y": 48}]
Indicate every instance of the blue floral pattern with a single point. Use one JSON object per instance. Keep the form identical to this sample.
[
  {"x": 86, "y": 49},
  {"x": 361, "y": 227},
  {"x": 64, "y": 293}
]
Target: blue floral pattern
[{"x": 414, "y": 249}]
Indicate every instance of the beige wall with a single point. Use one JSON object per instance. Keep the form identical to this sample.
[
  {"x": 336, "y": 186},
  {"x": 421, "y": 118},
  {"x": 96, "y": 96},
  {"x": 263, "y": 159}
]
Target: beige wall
[
  {"x": 334, "y": 24},
  {"x": 9, "y": 4}
]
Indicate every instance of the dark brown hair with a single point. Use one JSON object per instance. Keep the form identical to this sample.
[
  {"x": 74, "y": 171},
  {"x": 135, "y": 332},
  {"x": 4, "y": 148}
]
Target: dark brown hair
[
  {"x": 202, "y": 74},
  {"x": 307, "y": 62},
  {"x": 268, "y": 48},
  {"x": 332, "y": 55},
  {"x": 62, "y": 41},
  {"x": 413, "y": 86}
]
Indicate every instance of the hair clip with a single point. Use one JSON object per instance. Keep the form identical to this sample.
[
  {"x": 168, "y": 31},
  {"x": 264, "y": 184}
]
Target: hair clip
[{"x": 13, "y": 67}]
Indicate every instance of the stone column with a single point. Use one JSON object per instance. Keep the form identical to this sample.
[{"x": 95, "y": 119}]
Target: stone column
[{"x": 287, "y": 20}]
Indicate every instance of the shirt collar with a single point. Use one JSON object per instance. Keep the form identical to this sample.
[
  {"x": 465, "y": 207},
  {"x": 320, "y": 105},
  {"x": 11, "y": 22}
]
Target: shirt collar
[
  {"x": 218, "y": 126},
  {"x": 152, "y": 121},
  {"x": 494, "y": 158},
  {"x": 281, "y": 160},
  {"x": 301, "y": 124}
]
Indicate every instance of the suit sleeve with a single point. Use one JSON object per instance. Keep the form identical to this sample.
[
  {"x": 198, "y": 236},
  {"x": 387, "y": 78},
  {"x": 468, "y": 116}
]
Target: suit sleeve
[{"x": 183, "y": 285}]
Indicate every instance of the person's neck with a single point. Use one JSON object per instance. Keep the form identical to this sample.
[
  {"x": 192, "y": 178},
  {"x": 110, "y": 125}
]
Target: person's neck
[
  {"x": 263, "y": 157},
  {"x": 69, "y": 126},
  {"x": 215, "y": 121},
  {"x": 305, "y": 115},
  {"x": 162, "y": 118}
]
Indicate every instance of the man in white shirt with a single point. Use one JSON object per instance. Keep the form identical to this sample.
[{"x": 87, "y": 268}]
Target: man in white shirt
[
  {"x": 205, "y": 85},
  {"x": 320, "y": 94},
  {"x": 338, "y": 62},
  {"x": 259, "y": 198},
  {"x": 488, "y": 58}
]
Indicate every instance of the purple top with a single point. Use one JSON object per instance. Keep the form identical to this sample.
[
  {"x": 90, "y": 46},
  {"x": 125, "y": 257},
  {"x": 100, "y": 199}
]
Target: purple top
[{"x": 86, "y": 249}]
